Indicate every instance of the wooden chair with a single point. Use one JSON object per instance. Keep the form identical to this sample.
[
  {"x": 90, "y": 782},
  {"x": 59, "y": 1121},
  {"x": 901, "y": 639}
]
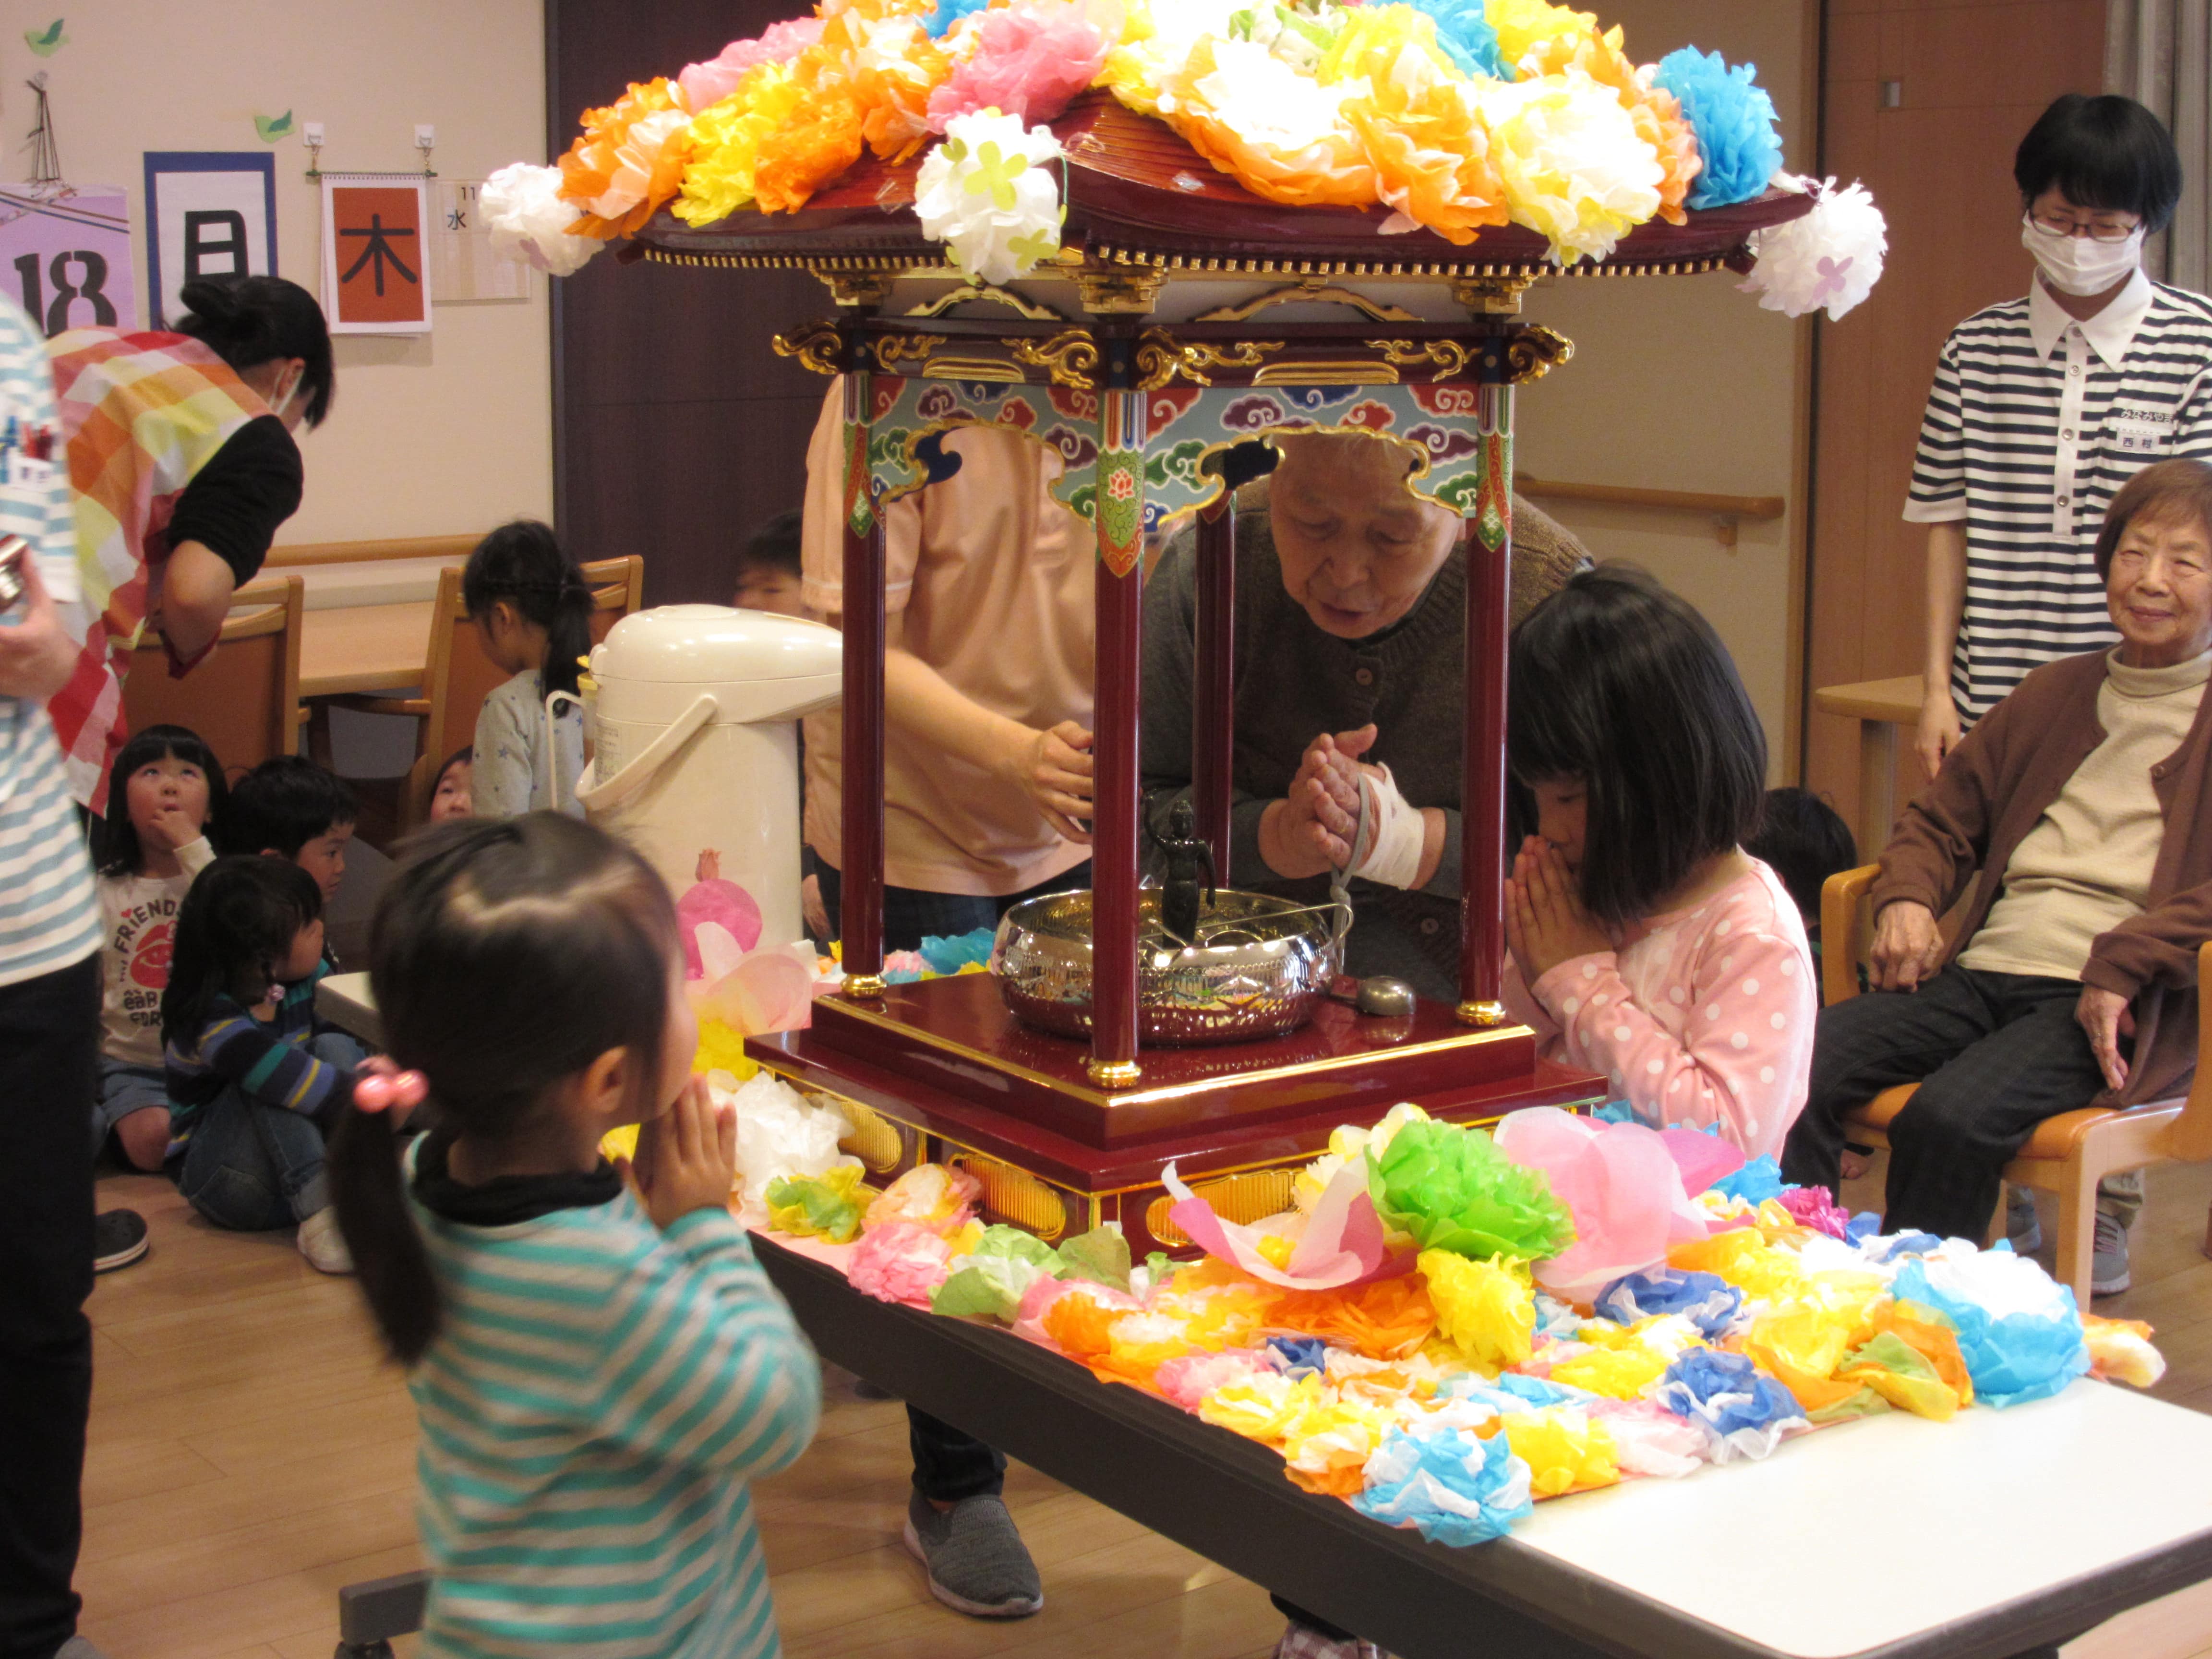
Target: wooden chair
[
  {"x": 460, "y": 676},
  {"x": 243, "y": 700},
  {"x": 2067, "y": 1154}
]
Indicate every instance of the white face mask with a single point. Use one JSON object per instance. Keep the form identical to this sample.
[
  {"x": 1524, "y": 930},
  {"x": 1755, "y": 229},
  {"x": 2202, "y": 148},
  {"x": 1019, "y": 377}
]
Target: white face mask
[{"x": 2079, "y": 264}]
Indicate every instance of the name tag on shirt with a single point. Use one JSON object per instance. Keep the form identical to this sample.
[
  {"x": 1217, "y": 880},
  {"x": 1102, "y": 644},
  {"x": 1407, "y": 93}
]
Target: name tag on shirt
[{"x": 2140, "y": 431}]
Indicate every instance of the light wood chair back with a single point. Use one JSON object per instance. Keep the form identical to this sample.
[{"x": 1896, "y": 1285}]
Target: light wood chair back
[
  {"x": 2068, "y": 1154},
  {"x": 243, "y": 700}
]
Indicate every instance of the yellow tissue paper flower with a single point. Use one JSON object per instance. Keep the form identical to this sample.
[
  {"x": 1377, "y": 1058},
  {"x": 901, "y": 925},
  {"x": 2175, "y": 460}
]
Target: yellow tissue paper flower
[
  {"x": 1260, "y": 1407},
  {"x": 1484, "y": 1310},
  {"x": 1423, "y": 131},
  {"x": 1524, "y": 25},
  {"x": 721, "y": 1048},
  {"x": 1574, "y": 166},
  {"x": 1623, "y": 1373},
  {"x": 1564, "y": 1451},
  {"x": 725, "y": 140},
  {"x": 1326, "y": 1447},
  {"x": 1744, "y": 1258}
]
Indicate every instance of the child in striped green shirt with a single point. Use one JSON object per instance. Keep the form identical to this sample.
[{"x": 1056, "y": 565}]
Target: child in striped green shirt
[{"x": 598, "y": 1371}]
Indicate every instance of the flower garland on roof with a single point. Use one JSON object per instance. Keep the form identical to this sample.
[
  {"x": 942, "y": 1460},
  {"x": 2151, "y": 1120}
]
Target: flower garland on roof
[{"x": 1456, "y": 114}]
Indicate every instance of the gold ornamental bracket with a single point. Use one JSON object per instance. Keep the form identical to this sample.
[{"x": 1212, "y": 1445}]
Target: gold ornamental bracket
[
  {"x": 1533, "y": 352},
  {"x": 1312, "y": 291},
  {"x": 1162, "y": 359},
  {"x": 1070, "y": 356},
  {"x": 1491, "y": 296},
  {"x": 817, "y": 345},
  {"x": 1126, "y": 292},
  {"x": 974, "y": 291}
]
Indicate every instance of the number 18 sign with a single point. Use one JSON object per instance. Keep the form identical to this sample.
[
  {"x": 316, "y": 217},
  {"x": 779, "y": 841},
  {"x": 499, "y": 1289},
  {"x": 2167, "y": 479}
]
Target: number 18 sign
[{"x": 66, "y": 258}]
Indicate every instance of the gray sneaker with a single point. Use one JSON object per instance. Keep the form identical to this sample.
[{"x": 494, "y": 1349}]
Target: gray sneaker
[
  {"x": 977, "y": 1562},
  {"x": 2108, "y": 1268},
  {"x": 77, "y": 1648},
  {"x": 2023, "y": 1227}
]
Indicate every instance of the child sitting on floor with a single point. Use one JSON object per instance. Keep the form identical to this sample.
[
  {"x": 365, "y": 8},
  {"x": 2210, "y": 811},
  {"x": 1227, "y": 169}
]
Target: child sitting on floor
[
  {"x": 1647, "y": 945},
  {"x": 533, "y": 612},
  {"x": 164, "y": 790},
  {"x": 290, "y": 808},
  {"x": 254, "y": 1080},
  {"x": 578, "y": 1351},
  {"x": 452, "y": 792}
]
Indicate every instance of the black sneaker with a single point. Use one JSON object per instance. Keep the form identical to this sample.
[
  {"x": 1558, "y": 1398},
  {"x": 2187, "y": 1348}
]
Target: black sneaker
[{"x": 119, "y": 1238}]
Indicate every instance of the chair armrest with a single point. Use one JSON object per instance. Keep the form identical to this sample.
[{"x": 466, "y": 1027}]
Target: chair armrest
[
  {"x": 2191, "y": 1137},
  {"x": 1840, "y": 914},
  {"x": 363, "y": 703}
]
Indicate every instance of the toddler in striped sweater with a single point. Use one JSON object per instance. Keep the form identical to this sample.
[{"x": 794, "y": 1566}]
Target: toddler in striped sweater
[{"x": 600, "y": 1369}]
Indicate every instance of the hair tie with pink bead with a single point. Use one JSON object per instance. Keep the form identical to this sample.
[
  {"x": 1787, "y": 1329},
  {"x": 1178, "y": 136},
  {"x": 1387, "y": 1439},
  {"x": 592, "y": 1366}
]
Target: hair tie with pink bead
[{"x": 381, "y": 1085}]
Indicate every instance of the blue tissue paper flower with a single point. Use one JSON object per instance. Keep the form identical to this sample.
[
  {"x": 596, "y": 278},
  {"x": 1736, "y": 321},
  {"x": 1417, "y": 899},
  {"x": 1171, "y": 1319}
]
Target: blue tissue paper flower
[
  {"x": 1862, "y": 1227},
  {"x": 1733, "y": 119},
  {"x": 1555, "y": 1318},
  {"x": 2013, "y": 1358},
  {"x": 1299, "y": 1356},
  {"x": 950, "y": 953},
  {"x": 1757, "y": 1181},
  {"x": 1615, "y": 1111},
  {"x": 1466, "y": 34},
  {"x": 1539, "y": 1391},
  {"x": 1725, "y": 1392},
  {"x": 1706, "y": 1300},
  {"x": 1455, "y": 1488},
  {"x": 902, "y": 976},
  {"x": 1910, "y": 1244},
  {"x": 942, "y": 16}
]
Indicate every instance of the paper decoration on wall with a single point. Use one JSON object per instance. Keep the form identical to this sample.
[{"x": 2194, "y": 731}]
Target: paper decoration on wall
[
  {"x": 463, "y": 265},
  {"x": 65, "y": 257},
  {"x": 273, "y": 128},
  {"x": 47, "y": 41},
  {"x": 208, "y": 214},
  {"x": 376, "y": 265}
]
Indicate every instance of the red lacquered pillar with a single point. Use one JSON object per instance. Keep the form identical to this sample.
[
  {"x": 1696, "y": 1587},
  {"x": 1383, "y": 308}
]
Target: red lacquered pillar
[
  {"x": 1488, "y": 539},
  {"x": 1120, "y": 515},
  {"x": 860, "y": 842},
  {"x": 1213, "y": 678}
]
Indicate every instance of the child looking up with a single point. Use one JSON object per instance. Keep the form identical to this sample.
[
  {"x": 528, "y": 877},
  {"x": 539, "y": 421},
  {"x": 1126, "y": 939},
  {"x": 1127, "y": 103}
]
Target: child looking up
[
  {"x": 769, "y": 568},
  {"x": 452, "y": 791},
  {"x": 530, "y": 607},
  {"x": 254, "y": 1080},
  {"x": 578, "y": 1351},
  {"x": 290, "y": 808},
  {"x": 165, "y": 788},
  {"x": 1647, "y": 945}
]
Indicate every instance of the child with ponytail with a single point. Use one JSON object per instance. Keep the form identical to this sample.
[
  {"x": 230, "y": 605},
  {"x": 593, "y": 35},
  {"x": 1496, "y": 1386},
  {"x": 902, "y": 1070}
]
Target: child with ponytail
[
  {"x": 599, "y": 1371},
  {"x": 531, "y": 608}
]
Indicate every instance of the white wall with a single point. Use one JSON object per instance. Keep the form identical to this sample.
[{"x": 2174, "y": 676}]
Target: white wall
[
  {"x": 441, "y": 434},
  {"x": 1682, "y": 383}
]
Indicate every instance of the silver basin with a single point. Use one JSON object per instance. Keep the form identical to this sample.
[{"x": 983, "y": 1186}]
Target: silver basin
[{"x": 1260, "y": 965}]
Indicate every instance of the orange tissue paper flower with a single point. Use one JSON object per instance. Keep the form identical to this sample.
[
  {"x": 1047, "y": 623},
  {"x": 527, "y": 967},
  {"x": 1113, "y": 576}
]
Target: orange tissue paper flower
[
  {"x": 1080, "y": 1326},
  {"x": 892, "y": 66},
  {"x": 1419, "y": 122},
  {"x": 1383, "y": 1319},
  {"x": 628, "y": 160},
  {"x": 1278, "y": 133},
  {"x": 821, "y": 139}
]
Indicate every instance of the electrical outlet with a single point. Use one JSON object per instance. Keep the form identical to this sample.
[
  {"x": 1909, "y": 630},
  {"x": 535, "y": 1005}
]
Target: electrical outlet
[
  {"x": 426, "y": 135},
  {"x": 312, "y": 131}
]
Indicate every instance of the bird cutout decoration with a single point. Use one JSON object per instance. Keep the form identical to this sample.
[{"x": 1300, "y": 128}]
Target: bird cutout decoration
[
  {"x": 45, "y": 42},
  {"x": 273, "y": 128}
]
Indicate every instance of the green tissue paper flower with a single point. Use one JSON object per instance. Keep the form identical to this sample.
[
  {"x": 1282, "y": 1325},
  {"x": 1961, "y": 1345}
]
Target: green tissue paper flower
[
  {"x": 1452, "y": 1190},
  {"x": 992, "y": 1278},
  {"x": 1101, "y": 1255}
]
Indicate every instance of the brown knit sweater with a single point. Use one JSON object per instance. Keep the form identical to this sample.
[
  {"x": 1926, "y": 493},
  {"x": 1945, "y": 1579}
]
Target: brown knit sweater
[
  {"x": 1294, "y": 682},
  {"x": 1991, "y": 792}
]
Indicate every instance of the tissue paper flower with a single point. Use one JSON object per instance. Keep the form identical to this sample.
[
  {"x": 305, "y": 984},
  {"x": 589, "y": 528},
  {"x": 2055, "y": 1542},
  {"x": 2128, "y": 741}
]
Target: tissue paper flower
[
  {"x": 1327, "y": 1445},
  {"x": 1101, "y": 1255},
  {"x": 1260, "y": 1407},
  {"x": 1451, "y": 1486},
  {"x": 1339, "y": 1243},
  {"x": 1706, "y": 1300},
  {"x": 1347, "y": 1142},
  {"x": 1278, "y": 133},
  {"x": 1735, "y": 122},
  {"x": 708, "y": 83},
  {"x": 1452, "y": 1190},
  {"x": 899, "y": 1263},
  {"x": 1137, "y": 1345},
  {"x": 1146, "y": 69},
  {"x": 1463, "y": 30},
  {"x": 949, "y": 955},
  {"x": 992, "y": 1278},
  {"x": 1028, "y": 59},
  {"x": 1903, "y": 1377},
  {"x": 2120, "y": 1351},
  {"x": 782, "y": 1135},
  {"x": 1743, "y": 1258},
  {"x": 1741, "y": 1413},
  {"x": 1802, "y": 1345},
  {"x": 1423, "y": 134},
  {"x": 1484, "y": 1310},
  {"x": 725, "y": 139},
  {"x": 2016, "y": 1325},
  {"x": 628, "y": 160},
  {"x": 1080, "y": 1321},
  {"x": 1621, "y": 1373},
  {"x": 826, "y": 1205},
  {"x": 1382, "y": 1319},
  {"x": 1812, "y": 1206},
  {"x": 1522, "y": 26},
  {"x": 1754, "y": 1183},
  {"x": 1297, "y": 1355},
  {"x": 1649, "y": 1440},
  {"x": 989, "y": 194},
  {"x": 1565, "y": 1450},
  {"x": 714, "y": 902},
  {"x": 1831, "y": 257},
  {"x": 816, "y": 142},
  {"x": 942, "y": 16},
  {"x": 933, "y": 1195},
  {"x": 529, "y": 220},
  {"x": 1575, "y": 167},
  {"x": 1187, "y": 1380},
  {"x": 896, "y": 69},
  {"x": 1620, "y": 1184}
]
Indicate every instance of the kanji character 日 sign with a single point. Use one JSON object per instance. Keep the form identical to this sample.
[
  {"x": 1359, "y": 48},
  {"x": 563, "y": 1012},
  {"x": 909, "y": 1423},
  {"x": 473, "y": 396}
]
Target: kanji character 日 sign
[{"x": 376, "y": 254}]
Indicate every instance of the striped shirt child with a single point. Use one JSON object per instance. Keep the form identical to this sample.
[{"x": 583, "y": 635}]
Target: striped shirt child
[
  {"x": 2034, "y": 423},
  {"x": 598, "y": 1396},
  {"x": 267, "y": 1060},
  {"x": 49, "y": 918}
]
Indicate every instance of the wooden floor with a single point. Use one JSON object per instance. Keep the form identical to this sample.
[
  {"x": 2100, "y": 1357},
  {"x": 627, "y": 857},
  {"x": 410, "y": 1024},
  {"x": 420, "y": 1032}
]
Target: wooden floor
[{"x": 250, "y": 1456}]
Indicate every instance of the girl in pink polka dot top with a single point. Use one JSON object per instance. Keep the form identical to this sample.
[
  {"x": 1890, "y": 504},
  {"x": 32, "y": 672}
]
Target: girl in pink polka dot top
[{"x": 1647, "y": 945}]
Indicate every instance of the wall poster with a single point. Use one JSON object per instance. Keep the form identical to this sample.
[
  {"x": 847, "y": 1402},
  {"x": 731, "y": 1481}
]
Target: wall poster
[
  {"x": 376, "y": 265},
  {"x": 208, "y": 214}
]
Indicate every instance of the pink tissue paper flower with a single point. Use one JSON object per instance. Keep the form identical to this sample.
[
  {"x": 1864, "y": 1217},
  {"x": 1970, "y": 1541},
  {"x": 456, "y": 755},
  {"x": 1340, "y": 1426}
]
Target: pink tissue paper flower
[
  {"x": 902, "y": 1262},
  {"x": 1188, "y": 1380},
  {"x": 1811, "y": 1206},
  {"x": 1030, "y": 60},
  {"x": 715, "y": 80}
]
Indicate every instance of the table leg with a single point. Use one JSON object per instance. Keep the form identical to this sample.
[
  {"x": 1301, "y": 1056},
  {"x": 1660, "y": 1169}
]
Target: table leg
[{"x": 1877, "y": 786}]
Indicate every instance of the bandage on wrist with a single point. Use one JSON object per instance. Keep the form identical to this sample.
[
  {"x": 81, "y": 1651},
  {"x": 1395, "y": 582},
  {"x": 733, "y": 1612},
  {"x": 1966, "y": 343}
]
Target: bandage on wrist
[{"x": 1392, "y": 856}]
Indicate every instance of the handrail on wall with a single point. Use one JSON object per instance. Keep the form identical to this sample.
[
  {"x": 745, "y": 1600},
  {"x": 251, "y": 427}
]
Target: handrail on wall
[
  {"x": 1728, "y": 511},
  {"x": 411, "y": 547}
]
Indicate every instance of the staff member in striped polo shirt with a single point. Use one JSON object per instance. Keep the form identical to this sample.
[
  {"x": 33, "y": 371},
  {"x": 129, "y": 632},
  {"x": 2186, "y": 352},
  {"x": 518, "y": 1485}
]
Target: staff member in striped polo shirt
[
  {"x": 2044, "y": 406},
  {"x": 49, "y": 1044}
]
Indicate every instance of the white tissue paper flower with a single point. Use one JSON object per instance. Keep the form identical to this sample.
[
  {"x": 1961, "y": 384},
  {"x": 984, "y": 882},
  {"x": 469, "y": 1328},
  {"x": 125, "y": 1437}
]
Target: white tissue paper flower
[
  {"x": 782, "y": 1135},
  {"x": 989, "y": 193},
  {"x": 529, "y": 222},
  {"x": 1831, "y": 257}
]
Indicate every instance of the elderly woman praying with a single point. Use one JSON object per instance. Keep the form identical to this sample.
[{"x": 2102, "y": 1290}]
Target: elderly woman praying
[
  {"x": 1350, "y": 625},
  {"x": 2085, "y": 800}
]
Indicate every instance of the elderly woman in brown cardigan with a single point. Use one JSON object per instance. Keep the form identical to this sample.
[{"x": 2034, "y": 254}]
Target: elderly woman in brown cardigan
[{"x": 2086, "y": 799}]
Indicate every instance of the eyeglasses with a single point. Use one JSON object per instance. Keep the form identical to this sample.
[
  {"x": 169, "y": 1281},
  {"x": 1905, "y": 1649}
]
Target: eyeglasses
[{"x": 2095, "y": 232}]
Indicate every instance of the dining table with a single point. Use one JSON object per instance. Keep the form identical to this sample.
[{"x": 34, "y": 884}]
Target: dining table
[{"x": 364, "y": 647}]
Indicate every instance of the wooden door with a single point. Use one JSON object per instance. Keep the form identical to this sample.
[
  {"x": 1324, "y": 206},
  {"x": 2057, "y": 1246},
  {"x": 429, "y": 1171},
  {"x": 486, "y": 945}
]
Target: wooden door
[
  {"x": 676, "y": 428},
  {"x": 1925, "y": 101}
]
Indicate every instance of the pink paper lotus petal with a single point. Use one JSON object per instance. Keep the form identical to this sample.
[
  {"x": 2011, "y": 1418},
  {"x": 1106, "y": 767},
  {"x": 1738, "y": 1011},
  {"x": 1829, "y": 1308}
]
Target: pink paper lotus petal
[
  {"x": 1623, "y": 1186},
  {"x": 1341, "y": 1253},
  {"x": 1703, "y": 1159}
]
